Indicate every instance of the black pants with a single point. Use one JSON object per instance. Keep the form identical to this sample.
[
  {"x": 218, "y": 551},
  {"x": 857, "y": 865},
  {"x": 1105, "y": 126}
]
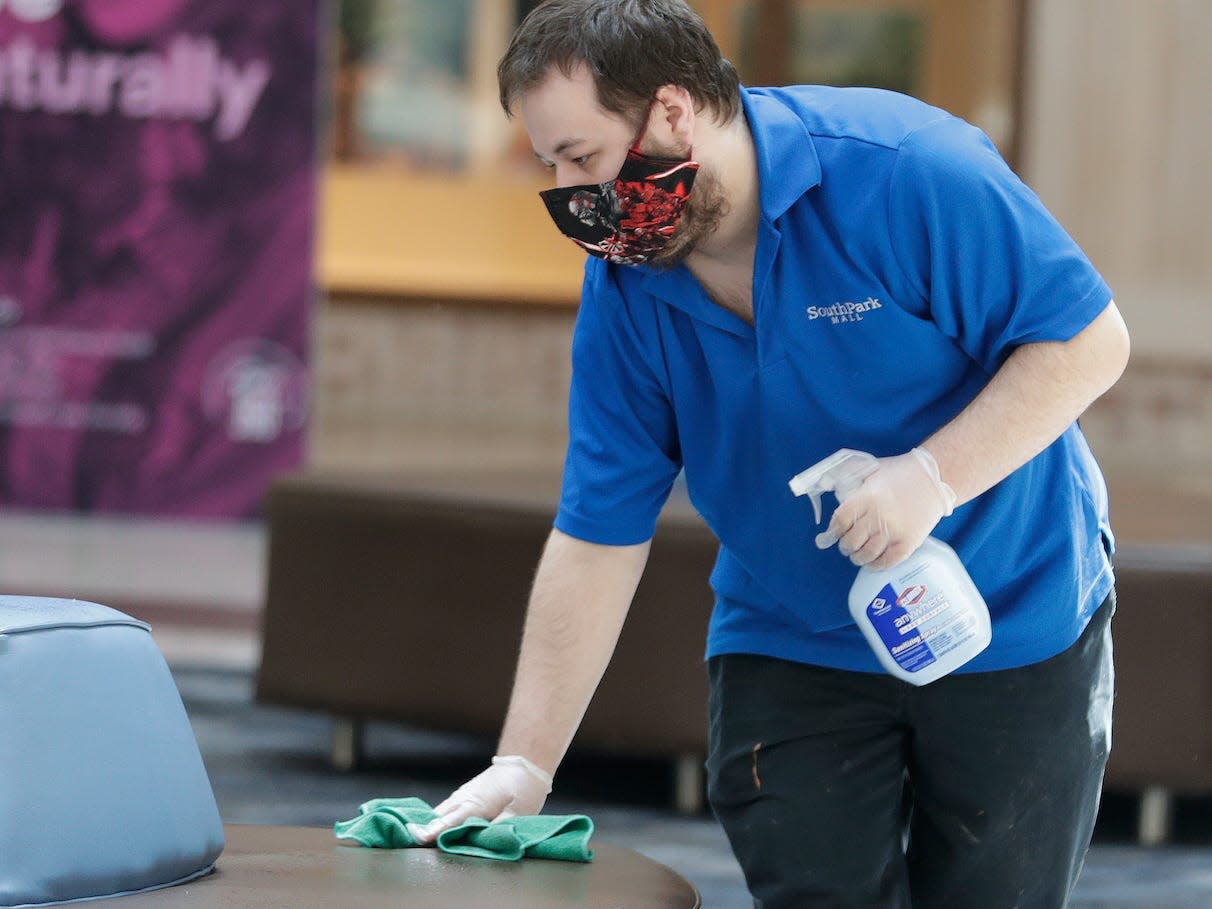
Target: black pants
[{"x": 841, "y": 790}]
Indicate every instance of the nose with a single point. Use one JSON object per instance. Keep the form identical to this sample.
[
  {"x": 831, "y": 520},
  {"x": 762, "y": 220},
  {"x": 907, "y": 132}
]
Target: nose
[{"x": 565, "y": 176}]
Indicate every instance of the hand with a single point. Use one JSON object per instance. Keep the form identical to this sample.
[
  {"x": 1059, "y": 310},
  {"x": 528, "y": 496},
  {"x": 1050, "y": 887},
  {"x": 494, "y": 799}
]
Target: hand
[
  {"x": 883, "y": 521},
  {"x": 511, "y": 786}
]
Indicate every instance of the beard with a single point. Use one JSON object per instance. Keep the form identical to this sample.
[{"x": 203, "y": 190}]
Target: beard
[{"x": 705, "y": 208}]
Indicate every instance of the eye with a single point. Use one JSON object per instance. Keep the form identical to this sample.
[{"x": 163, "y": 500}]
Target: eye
[{"x": 581, "y": 160}]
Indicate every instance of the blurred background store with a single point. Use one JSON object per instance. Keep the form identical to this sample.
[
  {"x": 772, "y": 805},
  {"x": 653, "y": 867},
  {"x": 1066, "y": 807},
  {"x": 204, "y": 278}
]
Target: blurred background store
[
  {"x": 443, "y": 301},
  {"x": 447, "y": 300}
]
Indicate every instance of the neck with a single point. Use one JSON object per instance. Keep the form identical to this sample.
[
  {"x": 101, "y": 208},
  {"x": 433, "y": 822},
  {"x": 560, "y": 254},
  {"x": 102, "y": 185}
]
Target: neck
[{"x": 729, "y": 151}]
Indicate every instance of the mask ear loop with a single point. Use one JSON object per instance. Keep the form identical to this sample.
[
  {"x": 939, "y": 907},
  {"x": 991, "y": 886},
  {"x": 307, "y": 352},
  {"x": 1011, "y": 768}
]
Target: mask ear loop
[{"x": 635, "y": 146}]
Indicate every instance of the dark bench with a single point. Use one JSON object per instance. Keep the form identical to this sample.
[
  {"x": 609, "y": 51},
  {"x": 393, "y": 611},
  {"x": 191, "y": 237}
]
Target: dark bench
[
  {"x": 375, "y": 583},
  {"x": 1162, "y": 739}
]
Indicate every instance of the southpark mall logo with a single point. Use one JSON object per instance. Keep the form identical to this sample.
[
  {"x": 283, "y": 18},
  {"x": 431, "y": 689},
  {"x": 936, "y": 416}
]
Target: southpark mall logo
[{"x": 844, "y": 312}]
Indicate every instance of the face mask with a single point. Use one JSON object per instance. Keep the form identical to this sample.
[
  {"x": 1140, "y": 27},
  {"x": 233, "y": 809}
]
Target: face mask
[{"x": 630, "y": 218}]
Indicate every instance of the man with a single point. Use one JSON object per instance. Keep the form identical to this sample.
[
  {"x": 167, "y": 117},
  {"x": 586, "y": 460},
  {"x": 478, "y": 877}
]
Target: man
[{"x": 777, "y": 274}]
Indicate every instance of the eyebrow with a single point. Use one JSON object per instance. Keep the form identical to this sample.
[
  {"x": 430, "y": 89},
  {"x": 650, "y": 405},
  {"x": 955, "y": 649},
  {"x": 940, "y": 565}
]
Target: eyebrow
[{"x": 562, "y": 146}]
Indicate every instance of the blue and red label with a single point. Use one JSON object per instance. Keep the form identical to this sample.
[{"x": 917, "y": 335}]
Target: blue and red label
[{"x": 901, "y": 635}]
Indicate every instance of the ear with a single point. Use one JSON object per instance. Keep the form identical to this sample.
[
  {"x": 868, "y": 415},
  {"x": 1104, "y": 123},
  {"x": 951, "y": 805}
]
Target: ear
[{"x": 671, "y": 120}]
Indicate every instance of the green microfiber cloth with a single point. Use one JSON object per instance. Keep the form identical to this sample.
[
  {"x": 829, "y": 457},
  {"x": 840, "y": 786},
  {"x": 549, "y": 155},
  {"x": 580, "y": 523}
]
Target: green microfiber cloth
[{"x": 383, "y": 824}]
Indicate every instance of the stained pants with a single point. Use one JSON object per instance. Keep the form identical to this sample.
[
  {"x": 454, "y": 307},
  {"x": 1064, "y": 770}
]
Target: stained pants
[{"x": 841, "y": 790}]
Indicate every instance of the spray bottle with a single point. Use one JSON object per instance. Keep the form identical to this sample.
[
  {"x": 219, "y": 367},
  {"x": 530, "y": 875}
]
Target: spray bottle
[{"x": 924, "y": 617}]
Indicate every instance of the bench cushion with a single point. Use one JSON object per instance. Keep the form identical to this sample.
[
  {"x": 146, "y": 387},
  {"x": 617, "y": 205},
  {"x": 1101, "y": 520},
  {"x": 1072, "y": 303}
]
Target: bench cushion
[{"x": 102, "y": 788}]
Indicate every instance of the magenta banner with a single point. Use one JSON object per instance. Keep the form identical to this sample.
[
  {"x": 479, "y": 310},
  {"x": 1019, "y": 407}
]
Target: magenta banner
[{"x": 157, "y": 192}]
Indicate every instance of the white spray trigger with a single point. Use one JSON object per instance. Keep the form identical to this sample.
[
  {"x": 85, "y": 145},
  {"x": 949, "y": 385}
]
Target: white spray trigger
[{"x": 841, "y": 473}]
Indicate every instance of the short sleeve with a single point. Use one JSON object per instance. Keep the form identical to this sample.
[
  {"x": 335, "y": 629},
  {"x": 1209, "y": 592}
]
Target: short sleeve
[
  {"x": 623, "y": 453},
  {"x": 995, "y": 268}
]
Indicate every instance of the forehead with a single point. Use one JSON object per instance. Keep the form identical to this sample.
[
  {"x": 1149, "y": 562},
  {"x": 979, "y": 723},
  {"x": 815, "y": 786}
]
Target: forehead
[{"x": 565, "y": 106}]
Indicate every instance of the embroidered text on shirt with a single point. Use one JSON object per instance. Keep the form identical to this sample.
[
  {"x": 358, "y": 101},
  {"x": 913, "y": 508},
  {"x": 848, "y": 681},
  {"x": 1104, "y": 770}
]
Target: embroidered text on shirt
[{"x": 844, "y": 311}]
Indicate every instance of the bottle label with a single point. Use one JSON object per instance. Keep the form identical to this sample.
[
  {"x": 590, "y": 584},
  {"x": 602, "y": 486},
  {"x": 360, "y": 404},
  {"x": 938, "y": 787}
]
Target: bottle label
[{"x": 900, "y": 631}]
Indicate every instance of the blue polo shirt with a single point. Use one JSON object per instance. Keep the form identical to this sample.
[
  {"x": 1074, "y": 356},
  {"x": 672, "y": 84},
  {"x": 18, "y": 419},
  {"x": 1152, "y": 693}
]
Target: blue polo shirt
[{"x": 899, "y": 262}]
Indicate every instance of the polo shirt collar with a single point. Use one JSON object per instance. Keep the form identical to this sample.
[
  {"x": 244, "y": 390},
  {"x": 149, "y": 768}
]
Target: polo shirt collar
[{"x": 788, "y": 165}]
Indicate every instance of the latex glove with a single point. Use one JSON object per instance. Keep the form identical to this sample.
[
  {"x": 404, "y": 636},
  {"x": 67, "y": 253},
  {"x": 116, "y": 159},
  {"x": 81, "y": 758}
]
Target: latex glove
[
  {"x": 511, "y": 786},
  {"x": 883, "y": 521}
]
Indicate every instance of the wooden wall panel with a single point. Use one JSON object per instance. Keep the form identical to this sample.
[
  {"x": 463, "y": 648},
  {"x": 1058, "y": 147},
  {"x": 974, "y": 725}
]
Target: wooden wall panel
[{"x": 1117, "y": 139}]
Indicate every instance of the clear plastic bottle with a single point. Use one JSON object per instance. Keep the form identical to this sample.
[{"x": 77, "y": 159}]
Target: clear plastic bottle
[{"x": 923, "y": 618}]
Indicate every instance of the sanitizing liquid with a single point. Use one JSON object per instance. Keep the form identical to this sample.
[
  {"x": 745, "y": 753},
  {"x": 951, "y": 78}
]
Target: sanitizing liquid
[{"x": 923, "y": 618}]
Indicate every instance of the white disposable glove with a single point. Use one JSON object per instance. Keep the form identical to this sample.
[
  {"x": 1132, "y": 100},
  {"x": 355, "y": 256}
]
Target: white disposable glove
[
  {"x": 511, "y": 786},
  {"x": 883, "y": 521}
]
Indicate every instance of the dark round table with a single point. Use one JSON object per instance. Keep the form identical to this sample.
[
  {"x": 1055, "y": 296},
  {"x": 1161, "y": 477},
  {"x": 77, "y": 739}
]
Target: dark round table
[{"x": 307, "y": 868}]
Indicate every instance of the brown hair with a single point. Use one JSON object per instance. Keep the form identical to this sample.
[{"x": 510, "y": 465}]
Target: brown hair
[{"x": 632, "y": 48}]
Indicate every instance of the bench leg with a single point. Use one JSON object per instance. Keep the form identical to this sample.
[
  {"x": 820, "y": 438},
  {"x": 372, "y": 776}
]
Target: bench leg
[
  {"x": 1156, "y": 819},
  {"x": 346, "y": 742},
  {"x": 688, "y": 784}
]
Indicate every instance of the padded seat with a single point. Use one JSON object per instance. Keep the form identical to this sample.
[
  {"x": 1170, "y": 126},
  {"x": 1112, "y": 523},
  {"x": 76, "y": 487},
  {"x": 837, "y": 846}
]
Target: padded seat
[{"x": 102, "y": 788}]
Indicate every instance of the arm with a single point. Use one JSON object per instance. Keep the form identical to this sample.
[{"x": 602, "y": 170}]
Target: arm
[
  {"x": 1036, "y": 394},
  {"x": 582, "y": 592},
  {"x": 1029, "y": 402},
  {"x": 581, "y": 595},
  {"x": 995, "y": 272}
]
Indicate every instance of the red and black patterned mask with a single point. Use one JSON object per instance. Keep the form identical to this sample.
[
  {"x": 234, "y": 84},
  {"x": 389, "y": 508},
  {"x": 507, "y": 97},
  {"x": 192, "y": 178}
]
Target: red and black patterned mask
[{"x": 630, "y": 218}]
